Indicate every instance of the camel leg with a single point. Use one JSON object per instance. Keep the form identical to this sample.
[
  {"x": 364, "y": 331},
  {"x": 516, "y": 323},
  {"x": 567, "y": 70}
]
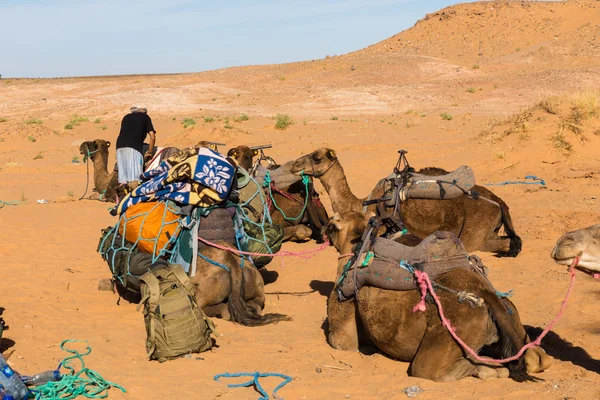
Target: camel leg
[
  {"x": 218, "y": 310},
  {"x": 486, "y": 373},
  {"x": 496, "y": 244},
  {"x": 440, "y": 359},
  {"x": 343, "y": 330},
  {"x": 297, "y": 233}
]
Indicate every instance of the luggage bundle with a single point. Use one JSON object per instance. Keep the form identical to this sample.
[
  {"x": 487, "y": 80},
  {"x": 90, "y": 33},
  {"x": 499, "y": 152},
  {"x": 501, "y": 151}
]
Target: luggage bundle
[{"x": 152, "y": 249}]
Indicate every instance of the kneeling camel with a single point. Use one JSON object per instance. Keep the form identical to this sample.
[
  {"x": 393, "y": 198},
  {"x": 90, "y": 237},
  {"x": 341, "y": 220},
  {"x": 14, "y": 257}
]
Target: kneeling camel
[
  {"x": 475, "y": 222},
  {"x": 386, "y": 319}
]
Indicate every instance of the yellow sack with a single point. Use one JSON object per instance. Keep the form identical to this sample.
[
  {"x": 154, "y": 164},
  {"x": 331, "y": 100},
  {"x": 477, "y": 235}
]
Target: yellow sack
[{"x": 152, "y": 223}]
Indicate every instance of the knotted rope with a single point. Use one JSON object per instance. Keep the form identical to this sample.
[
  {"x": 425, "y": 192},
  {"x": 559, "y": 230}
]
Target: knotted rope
[
  {"x": 255, "y": 382},
  {"x": 425, "y": 285},
  {"x": 86, "y": 382}
]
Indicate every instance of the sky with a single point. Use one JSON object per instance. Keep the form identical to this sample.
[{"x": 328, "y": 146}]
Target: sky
[{"x": 58, "y": 38}]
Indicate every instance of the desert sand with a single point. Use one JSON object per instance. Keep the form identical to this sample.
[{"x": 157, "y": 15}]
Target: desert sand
[{"x": 516, "y": 85}]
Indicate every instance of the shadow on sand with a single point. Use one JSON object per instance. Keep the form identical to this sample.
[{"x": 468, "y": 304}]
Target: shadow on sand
[{"x": 564, "y": 350}]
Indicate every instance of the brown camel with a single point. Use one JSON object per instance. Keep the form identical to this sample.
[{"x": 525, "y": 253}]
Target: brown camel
[
  {"x": 237, "y": 295},
  {"x": 386, "y": 319},
  {"x": 583, "y": 242},
  {"x": 294, "y": 228},
  {"x": 106, "y": 184},
  {"x": 475, "y": 222}
]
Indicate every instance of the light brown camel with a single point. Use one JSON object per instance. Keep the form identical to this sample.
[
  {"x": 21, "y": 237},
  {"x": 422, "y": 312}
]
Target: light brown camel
[
  {"x": 106, "y": 184},
  {"x": 584, "y": 242},
  {"x": 294, "y": 228},
  {"x": 386, "y": 319},
  {"x": 237, "y": 295},
  {"x": 475, "y": 222}
]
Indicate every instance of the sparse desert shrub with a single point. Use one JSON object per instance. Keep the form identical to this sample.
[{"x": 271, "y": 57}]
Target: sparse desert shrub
[
  {"x": 334, "y": 118},
  {"x": 33, "y": 121},
  {"x": 97, "y": 120},
  {"x": 560, "y": 143},
  {"x": 446, "y": 116},
  {"x": 214, "y": 99},
  {"x": 208, "y": 120},
  {"x": 69, "y": 125},
  {"x": 103, "y": 127},
  {"x": 70, "y": 193},
  {"x": 410, "y": 123},
  {"x": 75, "y": 160},
  {"x": 2, "y": 120},
  {"x": 187, "y": 122},
  {"x": 475, "y": 66},
  {"x": 38, "y": 156},
  {"x": 31, "y": 138},
  {"x": 550, "y": 105},
  {"x": 227, "y": 126},
  {"x": 471, "y": 90},
  {"x": 282, "y": 121},
  {"x": 241, "y": 118}
]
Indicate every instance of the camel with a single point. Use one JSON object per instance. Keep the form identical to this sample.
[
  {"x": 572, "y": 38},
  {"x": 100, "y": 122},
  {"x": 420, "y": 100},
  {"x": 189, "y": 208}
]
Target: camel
[
  {"x": 299, "y": 229},
  {"x": 106, "y": 184},
  {"x": 237, "y": 295},
  {"x": 584, "y": 242},
  {"x": 475, "y": 222},
  {"x": 385, "y": 318}
]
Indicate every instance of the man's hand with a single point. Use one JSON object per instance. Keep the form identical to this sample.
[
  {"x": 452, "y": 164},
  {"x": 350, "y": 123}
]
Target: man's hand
[{"x": 147, "y": 156}]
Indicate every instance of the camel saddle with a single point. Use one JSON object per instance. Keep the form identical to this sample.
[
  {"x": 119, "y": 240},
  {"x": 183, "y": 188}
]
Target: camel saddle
[{"x": 390, "y": 265}]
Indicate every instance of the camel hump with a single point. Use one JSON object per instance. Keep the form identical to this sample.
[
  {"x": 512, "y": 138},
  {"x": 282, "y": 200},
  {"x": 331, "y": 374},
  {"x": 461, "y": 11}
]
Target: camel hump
[{"x": 439, "y": 187}]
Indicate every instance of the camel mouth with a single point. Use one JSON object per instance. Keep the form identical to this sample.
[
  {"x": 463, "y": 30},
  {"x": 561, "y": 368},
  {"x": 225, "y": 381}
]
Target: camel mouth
[
  {"x": 587, "y": 264},
  {"x": 295, "y": 169}
]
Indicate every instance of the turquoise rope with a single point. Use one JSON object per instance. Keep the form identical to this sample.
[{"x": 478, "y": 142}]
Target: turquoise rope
[
  {"x": 255, "y": 382},
  {"x": 305, "y": 181},
  {"x": 213, "y": 262},
  {"x": 10, "y": 203},
  {"x": 86, "y": 382},
  {"x": 116, "y": 247}
]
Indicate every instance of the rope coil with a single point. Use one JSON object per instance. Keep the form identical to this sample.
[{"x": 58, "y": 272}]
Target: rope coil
[{"x": 87, "y": 383}]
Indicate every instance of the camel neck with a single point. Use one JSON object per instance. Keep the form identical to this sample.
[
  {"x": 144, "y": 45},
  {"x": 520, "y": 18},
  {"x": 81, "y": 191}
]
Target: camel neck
[
  {"x": 100, "y": 160},
  {"x": 335, "y": 183}
]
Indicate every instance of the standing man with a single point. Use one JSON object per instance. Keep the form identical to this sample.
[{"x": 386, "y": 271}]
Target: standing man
[{"x": 135, "y": 126}]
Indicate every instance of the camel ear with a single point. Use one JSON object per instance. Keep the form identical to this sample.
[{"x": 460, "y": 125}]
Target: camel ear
[
  {"x": 254, "y": 152},
  {"x": 107, "y": 144},
  {"x": 331, "y": 154},
  {"x": 337, "y": 221}
]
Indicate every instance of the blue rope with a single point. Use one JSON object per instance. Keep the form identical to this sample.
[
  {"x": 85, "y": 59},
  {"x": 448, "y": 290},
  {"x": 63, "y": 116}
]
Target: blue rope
[
  {"x": 537, "y": 181},
  {"x": 255, "y": 382},
  {"x": 504, "y": 294},
  {"x": 213, "y": 262}
]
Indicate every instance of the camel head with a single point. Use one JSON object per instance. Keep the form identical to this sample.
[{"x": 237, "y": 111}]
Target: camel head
[
  {"x": 209, "y": 145},
  {"x": 583, "y": 241},
  {"x": 345, "y": 230},
  {"x": 243, "y": 155},
  {"x": 91, "y": 148},
  {"x": 316, "y": 163}
]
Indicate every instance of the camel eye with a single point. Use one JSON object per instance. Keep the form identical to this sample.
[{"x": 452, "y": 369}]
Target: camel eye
[{"x": 316, "y": 158}]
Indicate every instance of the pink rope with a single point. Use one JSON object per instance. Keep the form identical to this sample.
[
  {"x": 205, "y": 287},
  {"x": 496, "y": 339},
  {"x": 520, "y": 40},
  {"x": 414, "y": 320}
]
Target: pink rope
[
  {"x": 303, "y": 254},
  {"x": 425, "y": 284},
  {"x": 284, "y": 194}
]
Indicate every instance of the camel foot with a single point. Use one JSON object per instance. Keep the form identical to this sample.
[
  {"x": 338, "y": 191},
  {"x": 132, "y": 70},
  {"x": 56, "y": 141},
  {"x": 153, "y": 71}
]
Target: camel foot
[{"x": 106, "y": 285}]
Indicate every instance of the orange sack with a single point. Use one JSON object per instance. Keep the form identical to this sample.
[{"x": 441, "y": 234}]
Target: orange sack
[{"x": 150, "y": 222}]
